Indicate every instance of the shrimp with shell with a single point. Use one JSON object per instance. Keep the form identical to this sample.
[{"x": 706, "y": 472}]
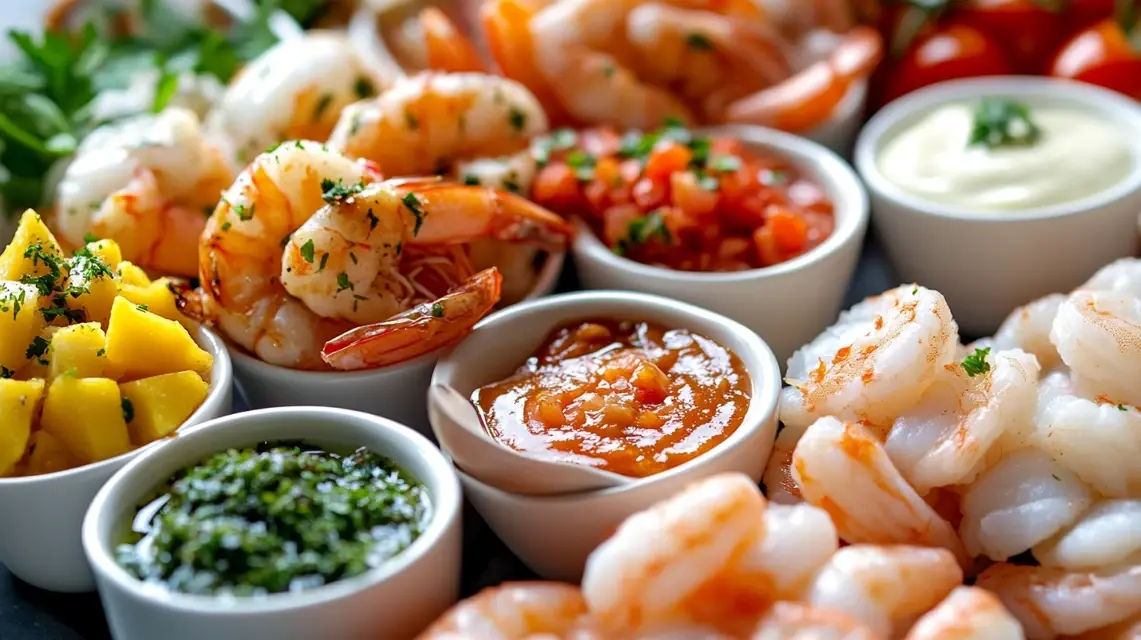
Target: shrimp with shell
[
  {"x": 308, "y": 263},
  {"x": 513, "y": 611},
  {"x": 144, "y": 182},
  {"x": 414, "y": 38}
]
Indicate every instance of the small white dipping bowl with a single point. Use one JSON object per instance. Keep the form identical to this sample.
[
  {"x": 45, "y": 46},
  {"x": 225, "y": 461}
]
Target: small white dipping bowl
[
  {"x": 41, "y": 516},
  {"x": 554, "y": 535},
  {"x": 789, "y": 303},
  {"x": 398, "y": 392},
  {"x": 987, "y": 263},
  {"x": 395, "y": 600},
  {"x": 838, "y": 132}
]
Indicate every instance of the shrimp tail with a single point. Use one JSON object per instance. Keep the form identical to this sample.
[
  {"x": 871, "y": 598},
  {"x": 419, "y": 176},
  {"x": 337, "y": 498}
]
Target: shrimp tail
[
  {"x": 422, "y": 329},
  {"x": 448, "y": 48},
  {"x": 190, "y": 301}
]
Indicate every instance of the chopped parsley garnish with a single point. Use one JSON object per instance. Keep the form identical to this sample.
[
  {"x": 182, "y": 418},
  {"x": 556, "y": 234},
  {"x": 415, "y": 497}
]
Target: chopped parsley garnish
[
  {"x": 582, "y": 163},
  {"x": 699, "y": 42},
  {"x": 517, "y": 118},
  {"x": 363, "y": 87},
  {"x": 976, "y": 364},
  {"x": 89, "y": 237},
  {"x": 307, "y": 251},
  {"x": 245, "y": 213},
  {"x": 413, "y": 204},
  {"x": 437, "y": 310},
  {"x": 1121, "y": 407},
  {"x": 411, "y": 120},
  {"x": 322, "y": 105},
  {"x": 372, "y": 220},
  {"x": 471, "y": 180},
  {"x": 353, "y": 257},
  {"x": 643, "y": 229},
  {"x": 5, "y": 372},
  {"x": 1003, "y": 123},
  {"x": 343, "y": 282},
  {"x": 37, "y": 348},
  {"x": 724, "y": 164},
  {"x": 332, "y": 192},
  {"x": 141, "y": 307},
  {"x": 559, "y": 140},
  {"x": 226, "y": 226},
  {"x": 324, "y": 260},
  {"x": 707, "y": 182},
  {"x": 128, "y": 410}
]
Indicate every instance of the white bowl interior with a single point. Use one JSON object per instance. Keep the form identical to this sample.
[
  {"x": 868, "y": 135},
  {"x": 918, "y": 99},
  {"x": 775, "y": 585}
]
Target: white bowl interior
[
  {"x": 334, "y": 429},
  {"x": 502, "y": 342}
]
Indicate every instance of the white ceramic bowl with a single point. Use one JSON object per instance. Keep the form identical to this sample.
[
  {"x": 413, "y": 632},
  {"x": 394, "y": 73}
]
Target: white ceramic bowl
[
  {"x": 838, "y": 132},
  {"x": 398, "y": 392},
  {"x": 554, "y": 535},
  {"x": 987, "y": 263},
  {"x": 40, "y": 516},
  {"x": 395, "y": 600},
  {"x": 789, "y": 303}
]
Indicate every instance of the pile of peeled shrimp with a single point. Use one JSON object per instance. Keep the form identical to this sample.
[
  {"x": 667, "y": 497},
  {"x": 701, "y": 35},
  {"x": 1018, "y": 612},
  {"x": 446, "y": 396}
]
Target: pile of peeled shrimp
[
  {"x": 1016, "y": 454},
  {"x": 717, "y": 561}
]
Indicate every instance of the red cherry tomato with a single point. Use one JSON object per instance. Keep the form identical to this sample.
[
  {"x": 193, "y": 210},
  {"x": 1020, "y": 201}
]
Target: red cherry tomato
[
  {"x": 1102, "y": 55},
  {"x": 1080, "y": 14},
  {"x": 954, "y": 51},
  {"x": 1027, "y": 30}
]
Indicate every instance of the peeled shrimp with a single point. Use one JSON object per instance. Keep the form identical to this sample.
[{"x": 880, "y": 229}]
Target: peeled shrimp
[
  {"x": 798, "y": 621},
  {"x": 1051, "y": 602},
  {"x": 427, "y": 122},
  {"x": 1119, "y": 276},
  {"x": 843, "y": 469},
  {"x": 660, "y": 558},
  {"x": 430, "y": 40},
  {"x": 1098, "y": 335},
  {"x": 513, "y": 611},
  {"x": 969, "y": 613},
  {"x": 798, "y": 540},
  {"x": 942, "y": 440},
  {"x": 1107, "y": 534},
  {"x": 1028, "y": 328},
  {"x": 1129, "y": 629},
  {"x": 295, "y": 90},
  {"x": 1098, "y": 441},
  {"x": 875, "y": 362},
  {"x": 1021, "y": 501},
  {"x": 885, "y": 587},
  {"x": 780, "y": 486},
  {"x": 144, "y": 183}
]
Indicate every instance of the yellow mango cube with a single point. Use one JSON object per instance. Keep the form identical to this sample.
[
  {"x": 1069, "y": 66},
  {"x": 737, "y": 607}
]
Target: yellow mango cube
[
  {"x": 160, "y": 404},
  {"x": 20, "y": 323},
  {"x": 94, "y": 281},
  {"x": 108, "y": 251},
  {"x": 19, "y": 400},
  {"x": 48, "y": 455},
  {"x": 34, "y": 239},
  {"x": 141, "y": 344},
  {"x": 86, "y": 414},
  {"x": 159, "y": 299},
  {"x": 78, "y": 350},
  {"x": 132, "y": 274}
]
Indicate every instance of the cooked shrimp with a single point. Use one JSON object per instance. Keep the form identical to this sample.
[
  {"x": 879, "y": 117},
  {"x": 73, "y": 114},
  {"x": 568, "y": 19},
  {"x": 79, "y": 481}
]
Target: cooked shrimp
[
  {"x": 798, "y": 540},
  {"x": 1119, "y": 276},
  {"x": 295, "y": 90},
  {"x": 1050, "y": 602},
  {"x": 1021, "y": 501},
  {"x": 144, "y": 183},
  {"x": 893, "y": 347},
  {"x": 942, "y": 440},
  {"x": 969, "y": 613},
  {"x": 506, "y": 26},
  {"x": 780, "y": 486},
  {"x": 430, "y": 40},
  {"x": 843, "y": 469},
  {"x": 1129, "y": 629},
  {"x": 798, "y": 621},
  {"x": 513, "y": 611},
  {"x": 885, "y": 587},
  {"x": 571, "y": 41},
  {"x": 425, "y": 123},
  {"x": 1107, "y": 534},
  {"x": 810, "y": 96},
  {"x": 656, "y": 564},
  {"x": 1028, "y": 328},
  {"x": 1098, "y": 335},
  {"x": 1098, "y": 441}
]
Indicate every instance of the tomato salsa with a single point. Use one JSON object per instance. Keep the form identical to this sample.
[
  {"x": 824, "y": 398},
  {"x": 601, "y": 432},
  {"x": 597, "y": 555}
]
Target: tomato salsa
[
  {"x": 677, "y": 200},
  {"x": 634, "y": 398}
]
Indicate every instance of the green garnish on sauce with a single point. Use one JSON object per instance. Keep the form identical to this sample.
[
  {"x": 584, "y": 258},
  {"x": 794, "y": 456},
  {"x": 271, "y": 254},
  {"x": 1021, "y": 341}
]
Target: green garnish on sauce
[
  {"x": 272, "y": 519},
  {"x": 976, "y": 364},
  {"x": 1003, "y": 123},
  {"x": 642, "y": 230}
]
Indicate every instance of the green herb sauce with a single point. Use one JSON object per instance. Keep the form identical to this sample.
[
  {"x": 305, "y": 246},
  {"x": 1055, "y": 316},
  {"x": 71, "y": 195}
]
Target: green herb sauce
[{"x": 277, "y": 518}]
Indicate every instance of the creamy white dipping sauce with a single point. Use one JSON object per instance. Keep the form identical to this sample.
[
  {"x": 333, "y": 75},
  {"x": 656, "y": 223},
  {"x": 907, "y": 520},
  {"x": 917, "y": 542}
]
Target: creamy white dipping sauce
[{"x": 1076, "y": 155}]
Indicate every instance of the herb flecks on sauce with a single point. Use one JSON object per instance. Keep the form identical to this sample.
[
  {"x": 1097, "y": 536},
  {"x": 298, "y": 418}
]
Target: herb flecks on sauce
[
  {"x": 274, "y": 519},
  {"x": 1003, "y": 123}
]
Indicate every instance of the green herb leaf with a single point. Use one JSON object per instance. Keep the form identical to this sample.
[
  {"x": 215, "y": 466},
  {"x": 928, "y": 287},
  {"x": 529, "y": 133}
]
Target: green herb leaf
[
  {"x": 699, "y": 42},
  {"x": 437, "y": 310},
  {"x": 413, "y": 204},
  {"x": 976, "y": 364},
  {"x": 128, "y": 410},
  {"x": 1003, "y": 123},
  {"x": 643, "y": 229},
  {"x": 307, "y": 251}
]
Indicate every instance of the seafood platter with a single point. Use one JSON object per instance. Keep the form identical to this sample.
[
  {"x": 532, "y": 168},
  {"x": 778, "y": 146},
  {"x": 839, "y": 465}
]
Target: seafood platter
[{"x": 571, "y": 319}]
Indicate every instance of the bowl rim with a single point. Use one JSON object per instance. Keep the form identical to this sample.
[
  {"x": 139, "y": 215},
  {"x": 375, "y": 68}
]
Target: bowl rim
[
  {"x": 839, "y": 180},
  {"x": 545, "y": 282},
  {"x": 907, "y": 109},
  {"x": 445, "y": 515},
  {"x": 564, "y": 307},
  {"x": 221, "y": 382}
]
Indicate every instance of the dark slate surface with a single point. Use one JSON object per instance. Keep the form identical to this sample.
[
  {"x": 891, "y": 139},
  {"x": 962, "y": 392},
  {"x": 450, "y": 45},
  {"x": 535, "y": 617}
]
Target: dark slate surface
[{"x": 27, "y": 613}]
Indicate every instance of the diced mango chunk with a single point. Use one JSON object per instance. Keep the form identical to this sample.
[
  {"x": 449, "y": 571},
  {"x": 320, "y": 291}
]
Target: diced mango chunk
[
  {"x": 19, "y": 400},
  {"x": 86, "y": 414},
  {"x": 20, "y": 323},
  {"x": 78, "y": 350},
  {"x": 32, "y": 242},
  {"x": 159, "y": 405},
  {"x": 157, "y": 298},
  {"x": 48, "y": 455},
  {"x": 108, "y": 251},
  {"x": 132, "y": 274},
  {"x": 141, "y": 344},
  {"x": 94, "y": 281}
]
